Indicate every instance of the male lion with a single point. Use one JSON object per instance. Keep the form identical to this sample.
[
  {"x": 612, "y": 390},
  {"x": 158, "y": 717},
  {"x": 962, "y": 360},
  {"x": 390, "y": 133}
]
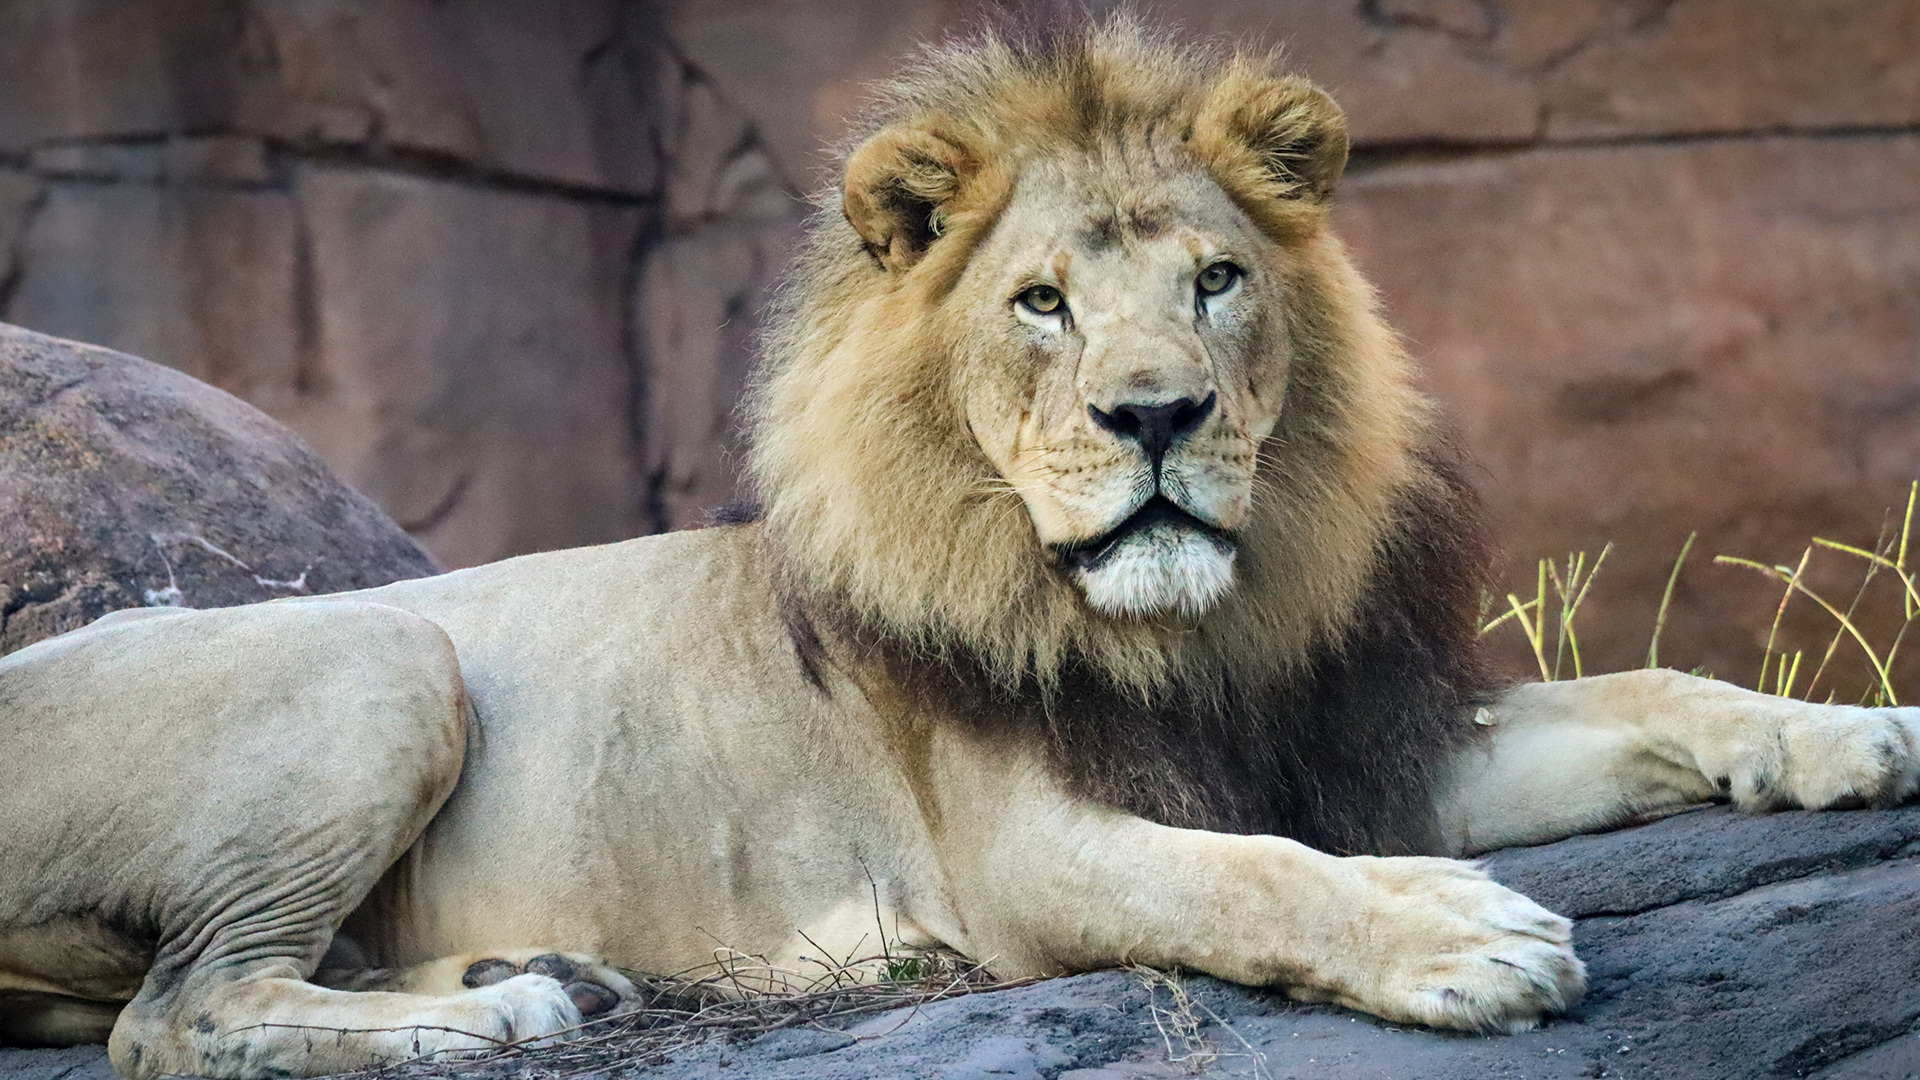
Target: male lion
[{"x": 1112, "y": 602}]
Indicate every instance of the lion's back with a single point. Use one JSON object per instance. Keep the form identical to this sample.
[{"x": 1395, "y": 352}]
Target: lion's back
[{"x": 686, "y": 615}]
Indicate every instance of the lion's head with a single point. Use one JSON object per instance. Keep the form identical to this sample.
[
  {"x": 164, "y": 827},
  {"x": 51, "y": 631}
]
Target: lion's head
[{"x": 1073, "y": 369}]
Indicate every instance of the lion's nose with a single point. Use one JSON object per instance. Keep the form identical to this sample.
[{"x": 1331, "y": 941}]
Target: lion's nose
[{"x": 1155, "y": 427}]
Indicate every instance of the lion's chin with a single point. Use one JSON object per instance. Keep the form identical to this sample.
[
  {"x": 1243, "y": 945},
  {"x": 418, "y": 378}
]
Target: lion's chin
[{"x": 1158, "y": 563}]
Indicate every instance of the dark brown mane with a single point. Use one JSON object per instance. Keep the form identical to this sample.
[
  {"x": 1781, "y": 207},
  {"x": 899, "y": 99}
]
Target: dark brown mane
[{"x": 1340, "y": 755}]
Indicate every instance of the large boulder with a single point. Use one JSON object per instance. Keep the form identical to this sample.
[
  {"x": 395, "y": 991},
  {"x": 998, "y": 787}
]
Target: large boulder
[{"x": 124, "y": 483}]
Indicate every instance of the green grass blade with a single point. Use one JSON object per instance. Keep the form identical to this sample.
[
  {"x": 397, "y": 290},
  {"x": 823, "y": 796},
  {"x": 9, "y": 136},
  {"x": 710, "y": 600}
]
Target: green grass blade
[{"x": 1666, "y": 600}]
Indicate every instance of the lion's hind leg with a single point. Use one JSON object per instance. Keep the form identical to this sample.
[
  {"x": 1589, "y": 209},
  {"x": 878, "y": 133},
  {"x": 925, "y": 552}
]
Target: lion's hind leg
[
  {"x": 271, "y": 1022},
  {"x": 209, "y": 795}
]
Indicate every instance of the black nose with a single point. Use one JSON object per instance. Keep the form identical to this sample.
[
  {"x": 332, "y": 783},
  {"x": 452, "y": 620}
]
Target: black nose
[{"x": 1155, "y": 427}]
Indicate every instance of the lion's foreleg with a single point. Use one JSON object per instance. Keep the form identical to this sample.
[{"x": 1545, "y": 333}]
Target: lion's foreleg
[
  {"x": 1063, "y": 885},
  {"x": 1585, "y": 754}
]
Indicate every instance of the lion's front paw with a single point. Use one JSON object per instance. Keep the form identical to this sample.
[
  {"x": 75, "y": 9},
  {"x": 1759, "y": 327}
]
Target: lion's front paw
[
  {"x": 1457, "y": 950},
  {"x": 1831, "y": 756}
]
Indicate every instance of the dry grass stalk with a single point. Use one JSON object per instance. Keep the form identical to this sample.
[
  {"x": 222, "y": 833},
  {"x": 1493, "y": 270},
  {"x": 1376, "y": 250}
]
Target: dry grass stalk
[
  {"x": 1180, "y": 1020},
  {"x": 1561, "y": 592},
  {"x": 1889, "y": 554},
  {"x": 748, "y": 999}
]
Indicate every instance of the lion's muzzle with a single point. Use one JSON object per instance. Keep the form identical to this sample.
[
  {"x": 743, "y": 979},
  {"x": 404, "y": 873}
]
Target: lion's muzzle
[{"x": 1159, "y": 559}]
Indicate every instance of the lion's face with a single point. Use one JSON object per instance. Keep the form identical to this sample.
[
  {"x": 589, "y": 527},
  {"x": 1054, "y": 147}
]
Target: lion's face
[
  {"x": 1122, "y": 377},
  {"x": 1077, "y": 375}
]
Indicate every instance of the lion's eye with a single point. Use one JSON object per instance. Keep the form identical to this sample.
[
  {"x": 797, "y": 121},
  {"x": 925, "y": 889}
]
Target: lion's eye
[
  {"x": 1042, "y": 300},
  {"x": 1217, "y": 279}
]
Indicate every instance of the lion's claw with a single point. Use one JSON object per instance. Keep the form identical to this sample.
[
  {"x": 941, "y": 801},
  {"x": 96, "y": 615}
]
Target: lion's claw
[{"x": 1458, "y": 950}]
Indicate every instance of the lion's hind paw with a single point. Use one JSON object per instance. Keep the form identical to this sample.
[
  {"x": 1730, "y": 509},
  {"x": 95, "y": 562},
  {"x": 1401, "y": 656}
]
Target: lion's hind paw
[
  {"x": 534, "y": 1008},
  {"x": 594, "y": 988},
  {"x": 519, "y": 1009}
]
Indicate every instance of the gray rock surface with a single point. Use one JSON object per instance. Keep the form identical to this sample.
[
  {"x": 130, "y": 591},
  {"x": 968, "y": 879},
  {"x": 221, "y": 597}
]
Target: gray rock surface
[
  {"x": 1719, "y": 947},
  {"x": 124, "y": 483}
]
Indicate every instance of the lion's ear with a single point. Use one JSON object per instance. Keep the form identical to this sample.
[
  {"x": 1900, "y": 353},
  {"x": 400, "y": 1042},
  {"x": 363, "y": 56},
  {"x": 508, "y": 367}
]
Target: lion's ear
[
  {"x": 896, "y": 184},
  {"x": 1278, "y": 138}
]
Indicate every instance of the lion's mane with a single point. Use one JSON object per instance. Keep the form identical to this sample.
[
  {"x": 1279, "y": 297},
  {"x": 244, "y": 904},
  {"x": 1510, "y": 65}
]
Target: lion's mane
[{"x": 1313, "y": 701}]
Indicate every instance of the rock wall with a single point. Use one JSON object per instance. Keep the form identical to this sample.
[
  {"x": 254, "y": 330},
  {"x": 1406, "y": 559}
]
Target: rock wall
[
  {"x": 499, "y": 260},
  {"x": 494, "y": 259}
]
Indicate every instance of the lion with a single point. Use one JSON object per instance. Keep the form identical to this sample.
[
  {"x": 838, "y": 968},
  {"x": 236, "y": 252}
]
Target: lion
[{"x": 1110, "y": 599}]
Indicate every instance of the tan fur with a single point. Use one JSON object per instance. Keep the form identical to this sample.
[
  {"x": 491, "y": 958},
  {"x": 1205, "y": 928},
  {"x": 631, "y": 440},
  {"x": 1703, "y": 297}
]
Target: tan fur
[{"x": 280, "y": 835}]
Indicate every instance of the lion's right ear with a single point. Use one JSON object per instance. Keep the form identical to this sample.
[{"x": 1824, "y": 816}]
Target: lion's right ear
[
  {"x": 896, "y": 184},
  {"x": 1272, "y": 138}
]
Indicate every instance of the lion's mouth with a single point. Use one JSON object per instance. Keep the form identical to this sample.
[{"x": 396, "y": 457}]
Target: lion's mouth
[
  {"x": 1155, "y": 515},
  {"x": 1161, "y": 559}
]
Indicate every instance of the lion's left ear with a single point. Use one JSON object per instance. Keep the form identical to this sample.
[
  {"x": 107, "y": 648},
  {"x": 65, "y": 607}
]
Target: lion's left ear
[
  {"x": 896, "y": 184},
  {"x": 1279, "y": 138}
]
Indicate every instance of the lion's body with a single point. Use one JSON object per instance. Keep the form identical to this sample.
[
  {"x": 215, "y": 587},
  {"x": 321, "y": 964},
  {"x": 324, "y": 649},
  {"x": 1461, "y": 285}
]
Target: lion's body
[
  {"x": 1112, "y": 601},
  {"x": 610, "y": 742},
  {"x": 655, "y": 778}
]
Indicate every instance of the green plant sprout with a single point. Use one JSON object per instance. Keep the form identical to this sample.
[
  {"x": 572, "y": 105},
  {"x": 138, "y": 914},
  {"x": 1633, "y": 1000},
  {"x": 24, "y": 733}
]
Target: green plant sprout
[
  {"x": 1570, "y": 590},
  {"x": 1666, "y": 601},
  {"x": 908, "y": 969}
]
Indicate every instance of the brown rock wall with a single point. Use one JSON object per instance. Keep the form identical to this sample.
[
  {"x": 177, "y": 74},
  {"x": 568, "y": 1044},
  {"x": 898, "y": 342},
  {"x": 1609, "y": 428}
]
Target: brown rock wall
[
  {"x": 1644, "y": 340},
  {"x": 1464, "y": 72},
  {"x": 1743, "y": 65},
  {"x": 104, "y": 69},
  {"x": 19, "y": 191},
  {"x": 729, "y": 222},
  {"x": 200, "y": 275},
  {"x": 422, "y": 234},
  {"x": 552, "y": 91},
  {"x": 502, "y": 261},
  {"x": 1521, "y": 71},
  {"x": 467, "y": 367},
  {"x": 796, "y": 68}
]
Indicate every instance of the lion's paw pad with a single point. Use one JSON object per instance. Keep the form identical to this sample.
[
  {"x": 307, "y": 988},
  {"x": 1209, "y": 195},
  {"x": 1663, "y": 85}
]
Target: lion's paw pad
[{"x": 595, "y": 989}]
